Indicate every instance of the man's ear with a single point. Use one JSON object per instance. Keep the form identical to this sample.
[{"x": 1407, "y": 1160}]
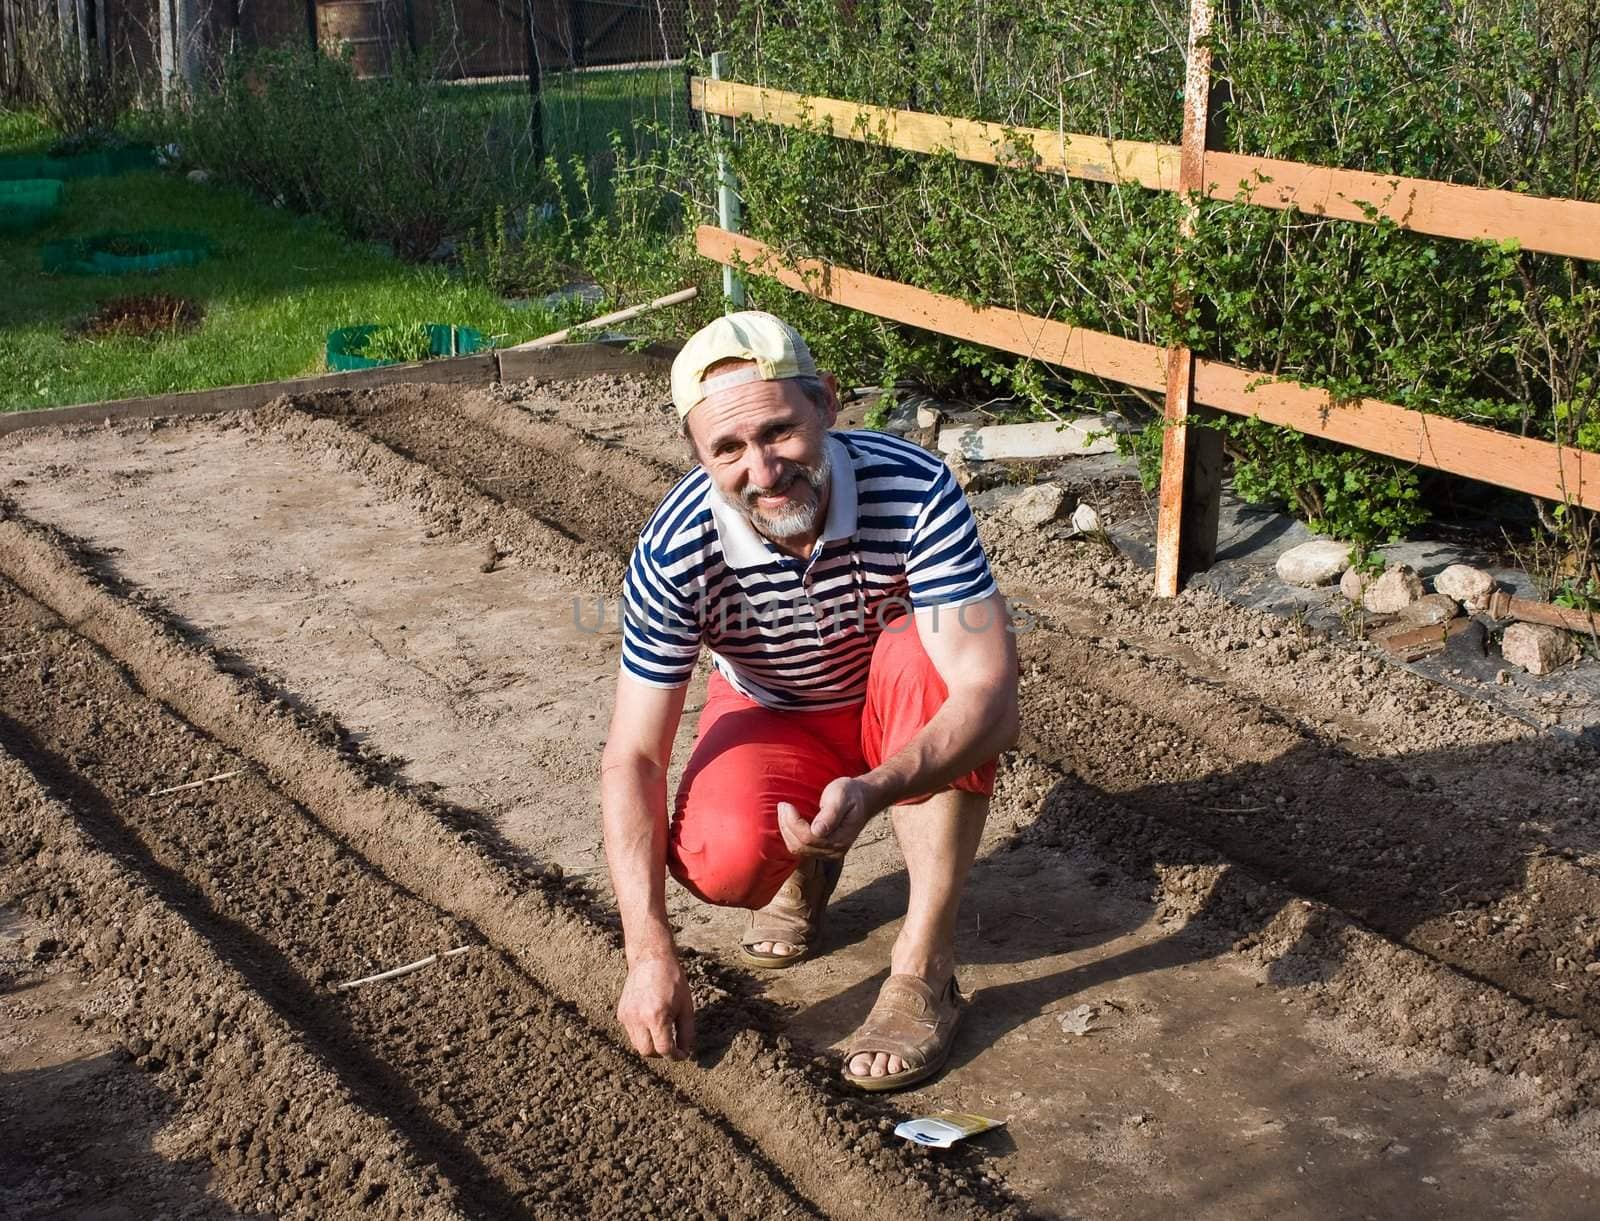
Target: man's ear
[{"x": 830, "y": 413}]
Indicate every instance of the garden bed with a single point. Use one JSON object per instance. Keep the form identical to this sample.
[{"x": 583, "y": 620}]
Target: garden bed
[{"x": 1314, "y": 903}]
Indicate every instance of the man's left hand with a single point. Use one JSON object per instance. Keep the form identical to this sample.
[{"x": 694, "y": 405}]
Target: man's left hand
[{"x": 842, "y": 811}]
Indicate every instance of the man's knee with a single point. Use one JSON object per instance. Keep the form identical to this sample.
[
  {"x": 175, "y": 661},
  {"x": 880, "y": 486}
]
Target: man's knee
[{"x": 732, "y": 874}]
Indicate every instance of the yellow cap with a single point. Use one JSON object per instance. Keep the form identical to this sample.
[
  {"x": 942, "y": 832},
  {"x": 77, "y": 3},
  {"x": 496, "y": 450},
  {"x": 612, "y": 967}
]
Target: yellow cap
[{"x": 774, "y": 346}]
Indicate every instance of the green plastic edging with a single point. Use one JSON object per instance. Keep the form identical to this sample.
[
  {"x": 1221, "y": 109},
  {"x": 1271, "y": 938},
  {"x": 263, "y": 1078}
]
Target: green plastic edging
[
  {"x": 99, "y": 254},
  {"x": 81, "y": 165},
  {"x": 26, "y": 203},
  {"x": 347, "y": 340}
]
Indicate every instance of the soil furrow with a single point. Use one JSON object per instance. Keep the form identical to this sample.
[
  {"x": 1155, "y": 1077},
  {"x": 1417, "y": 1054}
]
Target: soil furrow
[
  {"x": 281, "y": 1128},
  {"x": 1374, "y": 838},
  {"x": 492, "y": 1081},
  {"x": 768, "y": 1093},
  {"x": 600, "y": 496}
]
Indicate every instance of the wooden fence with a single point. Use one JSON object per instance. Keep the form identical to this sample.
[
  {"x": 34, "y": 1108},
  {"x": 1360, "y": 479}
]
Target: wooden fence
[
  {"x": 475, "y": 37},
  {"x": 1191, "y": 466}
]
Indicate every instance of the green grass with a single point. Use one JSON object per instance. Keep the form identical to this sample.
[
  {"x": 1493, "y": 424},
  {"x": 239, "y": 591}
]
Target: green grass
[
  {"x": 582, "y": 109},
  {"x": 23, "y": 134},
  {"x": 272, "y": 289}
]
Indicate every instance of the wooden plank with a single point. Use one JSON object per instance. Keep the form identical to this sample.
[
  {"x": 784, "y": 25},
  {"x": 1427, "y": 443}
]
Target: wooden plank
[
  {"x": 1054, "y": 343},
  {"x": 622, "y": 315},
  {"x": 1090, "y": 434},
  {"x": 575, "y": 361},
  {"x": 475, "y": 370},
  {"x": 1045, "y": 149},
  {"x": 1550, "y": 225},
  {"x": 1553, "y": 226},
  {"x": 1191, "y": 467},
  {"x": 1523, "y": 464}
]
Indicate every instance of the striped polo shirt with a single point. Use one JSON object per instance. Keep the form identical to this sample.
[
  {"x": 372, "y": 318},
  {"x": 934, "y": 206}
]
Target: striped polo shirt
[{"x": 798, "y": 633}]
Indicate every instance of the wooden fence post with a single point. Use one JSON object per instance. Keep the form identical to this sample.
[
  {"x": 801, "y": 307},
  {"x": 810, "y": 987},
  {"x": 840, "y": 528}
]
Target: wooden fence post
[
  {"x": 728, "y": 211},
  {"x": 1191, "y": 456}
]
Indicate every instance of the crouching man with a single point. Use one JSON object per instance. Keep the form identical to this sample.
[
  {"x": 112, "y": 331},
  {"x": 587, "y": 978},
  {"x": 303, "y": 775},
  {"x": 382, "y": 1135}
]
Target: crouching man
[{"x": 863, "y": 662}]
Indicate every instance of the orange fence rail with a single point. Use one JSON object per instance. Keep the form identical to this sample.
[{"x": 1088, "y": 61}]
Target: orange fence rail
[
  {"x": 1522, "y": 464},
  {"x": 1186, "y": 532}
]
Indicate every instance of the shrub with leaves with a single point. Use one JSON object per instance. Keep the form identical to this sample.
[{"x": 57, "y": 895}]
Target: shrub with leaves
[
  {"x": 1481, "y": 92},
  {"x": 386, "y": 159}
]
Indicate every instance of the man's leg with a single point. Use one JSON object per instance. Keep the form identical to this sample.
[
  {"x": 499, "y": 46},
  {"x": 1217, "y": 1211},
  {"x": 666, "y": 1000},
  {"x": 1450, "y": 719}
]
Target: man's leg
[
  {"x": 939, "y": 840},
  {"x": 724, "y": 845}
]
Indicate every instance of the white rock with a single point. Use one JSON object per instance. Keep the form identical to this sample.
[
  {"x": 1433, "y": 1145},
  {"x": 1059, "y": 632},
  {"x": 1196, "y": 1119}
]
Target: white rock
[
  {"x": 1395, "y": 590},
  {"x": 960, "y": 468},
  {"x": 1038, "y": 505},
  {"x": 1466, "y": 584},
  {"x": 199, "y": 177},
  {"x": 1318, "y": 562},
  {"x": 1085, "y": 519},
  {"x": 1090, "y": 434},
  {"x": 1536, "y": 648},
  {"x": 1429, "y": 610},
  {"x": 1353, "y": 584},
  {"x": 928, "y": 417}
]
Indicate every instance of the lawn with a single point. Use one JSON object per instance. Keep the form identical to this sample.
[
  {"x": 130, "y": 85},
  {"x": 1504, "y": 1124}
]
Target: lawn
[
  {"x": 275, "y": 284},
  {"x": 581, "y": 110}
]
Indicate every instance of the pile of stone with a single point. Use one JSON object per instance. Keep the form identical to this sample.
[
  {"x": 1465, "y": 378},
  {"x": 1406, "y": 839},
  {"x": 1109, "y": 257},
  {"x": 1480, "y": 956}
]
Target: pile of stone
[{"x": 1410, "y": 621}]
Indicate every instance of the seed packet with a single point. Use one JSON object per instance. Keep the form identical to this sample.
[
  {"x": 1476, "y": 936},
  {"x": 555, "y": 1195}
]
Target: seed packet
[{"x": 943, "y": 1129}]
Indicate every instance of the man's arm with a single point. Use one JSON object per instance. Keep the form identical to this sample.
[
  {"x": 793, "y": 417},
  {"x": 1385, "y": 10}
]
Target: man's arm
[
  {"x": 975, "y": 652},
  {"x": 656, "y": 1009}
]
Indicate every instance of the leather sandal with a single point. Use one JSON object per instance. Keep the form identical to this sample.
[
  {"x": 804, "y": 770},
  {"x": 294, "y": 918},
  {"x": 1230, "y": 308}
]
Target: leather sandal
[
  {"x": 909, "y": 1022},
  {"x": 794, "y": 916}
]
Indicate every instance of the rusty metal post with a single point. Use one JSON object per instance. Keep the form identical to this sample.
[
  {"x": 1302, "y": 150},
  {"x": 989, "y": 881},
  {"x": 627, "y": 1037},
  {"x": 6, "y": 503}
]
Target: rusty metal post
[{"x": 1191, "y": 456}]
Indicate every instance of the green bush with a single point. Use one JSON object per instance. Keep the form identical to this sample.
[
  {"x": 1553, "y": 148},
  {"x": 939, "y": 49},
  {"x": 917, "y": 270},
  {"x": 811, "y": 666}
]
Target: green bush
[
  {"x": 1483, "y": 92},
  {"x": 526, "y": 260},
  {"x": 388, "y": 159}
]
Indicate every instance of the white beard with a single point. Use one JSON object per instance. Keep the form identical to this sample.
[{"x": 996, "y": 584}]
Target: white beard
[{"x": 786, "y": 523}]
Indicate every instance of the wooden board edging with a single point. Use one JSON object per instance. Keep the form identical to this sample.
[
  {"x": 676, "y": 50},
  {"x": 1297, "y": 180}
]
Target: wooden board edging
[
  {"x": 479, "y": 369},
  {"x": 1441, "y": 209},
  {"x": 1523, "y": 464},
  {"x": 568, "y": 362}
]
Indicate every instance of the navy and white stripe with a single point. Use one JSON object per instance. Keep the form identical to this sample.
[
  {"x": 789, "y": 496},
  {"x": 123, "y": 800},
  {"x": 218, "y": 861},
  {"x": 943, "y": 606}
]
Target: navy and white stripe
[{"x": 790, "y": 633}]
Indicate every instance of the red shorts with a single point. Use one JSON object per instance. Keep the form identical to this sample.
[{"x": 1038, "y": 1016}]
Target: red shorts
[{"x": 724, "y": 844}]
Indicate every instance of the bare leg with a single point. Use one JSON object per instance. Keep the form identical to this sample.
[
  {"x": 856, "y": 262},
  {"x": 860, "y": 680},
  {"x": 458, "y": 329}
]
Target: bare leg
[{"x": 939, "y": 840}]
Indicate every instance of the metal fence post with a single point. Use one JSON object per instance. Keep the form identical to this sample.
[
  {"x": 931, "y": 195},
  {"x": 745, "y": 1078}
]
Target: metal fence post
[{"x": 728, "y": 211}]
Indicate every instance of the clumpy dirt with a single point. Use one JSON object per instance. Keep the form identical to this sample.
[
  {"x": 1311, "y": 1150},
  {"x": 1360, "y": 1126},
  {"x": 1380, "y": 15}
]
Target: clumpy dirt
[
  {"x": 499, "y": 1089},
  {"x": 1330, "y": 923},
  {"x": 140, "y": 317}
]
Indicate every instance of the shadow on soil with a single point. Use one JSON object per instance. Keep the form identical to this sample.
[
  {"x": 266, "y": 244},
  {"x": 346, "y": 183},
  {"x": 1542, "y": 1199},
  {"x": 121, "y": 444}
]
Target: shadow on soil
[
  {"x": 1412, "y": 848},
  {"x": 48, "y": 1172},
  {"x": 268, "y": 972}
]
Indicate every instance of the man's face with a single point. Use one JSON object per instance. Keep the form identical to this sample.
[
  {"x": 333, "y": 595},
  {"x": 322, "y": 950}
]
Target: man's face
[{"x": 764, "y": 445}]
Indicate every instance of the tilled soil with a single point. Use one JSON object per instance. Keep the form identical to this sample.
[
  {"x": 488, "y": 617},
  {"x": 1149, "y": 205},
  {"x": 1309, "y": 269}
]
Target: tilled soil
[
  {"x": 1410, "y": 864},
  {"x": 489, "y": 1078}
]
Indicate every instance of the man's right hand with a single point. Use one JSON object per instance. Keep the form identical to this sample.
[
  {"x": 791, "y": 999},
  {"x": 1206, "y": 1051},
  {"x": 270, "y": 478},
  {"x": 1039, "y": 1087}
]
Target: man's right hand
[{"x": 657, "y": 1010}]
